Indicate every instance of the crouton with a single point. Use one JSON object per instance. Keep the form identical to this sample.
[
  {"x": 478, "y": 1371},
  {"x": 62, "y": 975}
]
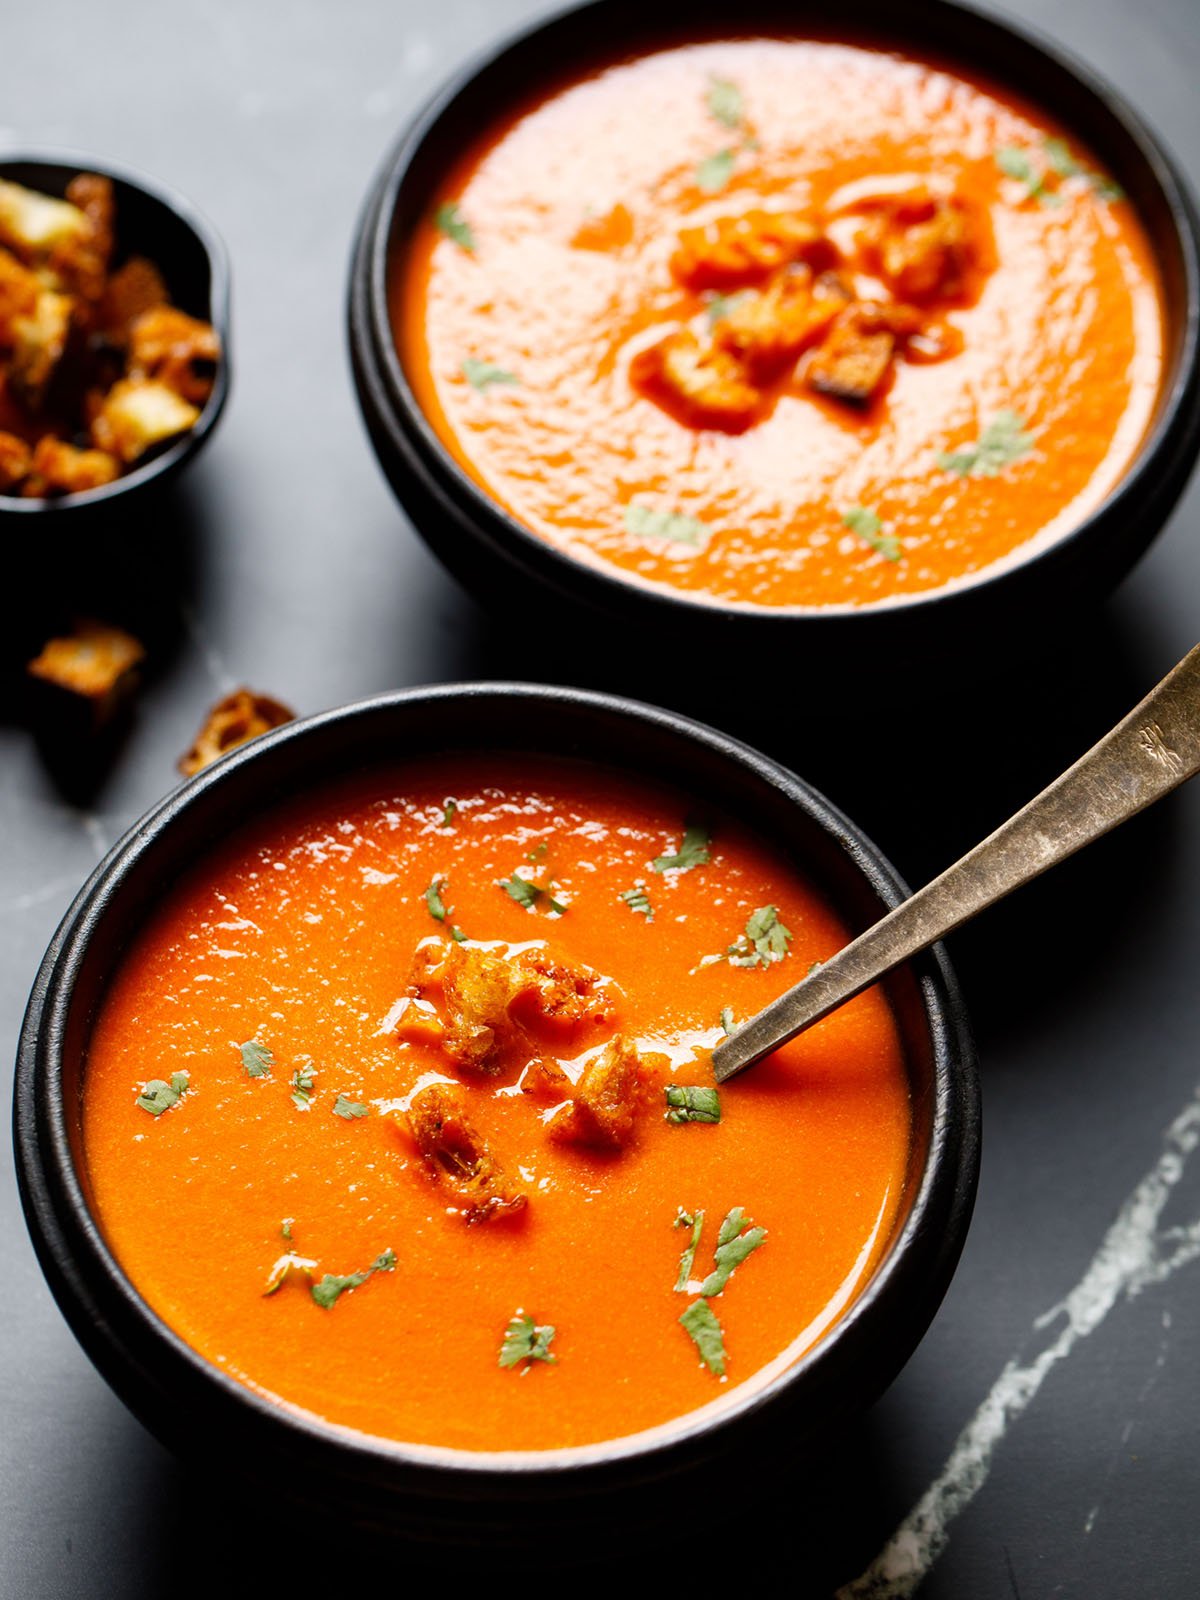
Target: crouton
[
  {"x": 19, "y": 290},
  {"x": 96, "y": 664},
  {"x": 735, "y": 252},
  {"x": 133, "y": 289},
  {"x": 853, "y": 363},
  {"x": 922, "y": 245},
  {"x": 457, "y": 1157},
  {"x": 769, "y": 329},
  {"x": 701, "y": 384},
  {"x": 242, "y": 715},
  {"x": 175, "y": 349},
  {"x": 38, "y": 342},
  {"x": 606, "y": 1099},
  {"x": 32, "y": 224},
  {"x": 15, "y": 456},
  {"x": 59, "y": 468},
  {"x": 79, "y": 262},
  {"x": 137, "y": 414}
]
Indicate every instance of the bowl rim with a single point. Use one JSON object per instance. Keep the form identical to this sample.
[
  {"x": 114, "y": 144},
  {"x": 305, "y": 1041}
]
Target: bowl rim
[
  {"x": 1175, "y": 430},
  {"x": 51, "y": 1189},
  {"x": 214, "y": 248}
]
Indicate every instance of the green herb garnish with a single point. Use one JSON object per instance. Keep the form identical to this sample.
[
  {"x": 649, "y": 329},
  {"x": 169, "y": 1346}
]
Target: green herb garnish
[
  {"x": 724, "y": 102},
  {"x": 331, "y": 1285},
  {"x": 1002, "y": 442},
  {"x": 284, "y": 1267},
  {"x": 448, "y": 219},
  {"x": 433, "y": 900},
  {"x": 700, "y": 1323},
  {"x": 285, "y": 1228},
  {"x": 715, "y": 171},
  {"x": 1017, "y": 163},
  {"x": 302, "y": 1087},
  {"x": 693, "y": 852},
  {"x": 691, "y": 1102},
  {"x": 449, "y": 812},
  {"x": 256, "y": 1058},
  {"x": 737, "y": 1239},
  {"x": 528, "y": 894},
  {"x": 721, "y": 305},
  {"x": 764, "y": 941},
  {"x": 482, "y": 374},
  {"x": 1061, "y": 161},
  {"x": 526, "y": 1341},
  {"x": 638, "y": 900},
  {"x": 694, "y": 1221},
  {"x": 869, "y": 528},
  {"x": 343, "y": 1107},
  {"x": 644, "y": 522},
  {"x": 160, "y": 1094},
  {"x": 727, "y": 1022}
]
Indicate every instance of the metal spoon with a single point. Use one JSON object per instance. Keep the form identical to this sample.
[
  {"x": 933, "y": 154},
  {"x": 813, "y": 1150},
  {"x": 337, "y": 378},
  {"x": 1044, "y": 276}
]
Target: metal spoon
[{"x": 1154, "y": 750}]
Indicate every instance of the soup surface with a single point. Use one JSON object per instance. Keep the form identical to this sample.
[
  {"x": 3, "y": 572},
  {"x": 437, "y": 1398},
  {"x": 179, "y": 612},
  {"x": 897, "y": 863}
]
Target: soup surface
[
  {"x": 416, "y": 1076},
  {"x": 792, "y": 324}
]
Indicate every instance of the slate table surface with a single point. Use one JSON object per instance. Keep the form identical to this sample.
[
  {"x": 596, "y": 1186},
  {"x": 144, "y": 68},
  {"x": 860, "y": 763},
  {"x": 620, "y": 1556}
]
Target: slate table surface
[{"x": 1052, "y": 1412}]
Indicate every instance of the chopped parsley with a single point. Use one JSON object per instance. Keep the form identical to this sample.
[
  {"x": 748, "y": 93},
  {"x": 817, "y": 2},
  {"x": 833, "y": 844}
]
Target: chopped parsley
[
  {"x": 283, "y": 1269},
  {"x": 332, "y": 1285},
  {"x": 482, "y": 374},
  {"x": 302, "y": 1087},
  {"x": 526, "y": 1341},
  {"x": 528, "y": 894},
  {"x": 256, "y": 1058},
  {"x": 449, "y": 812},
  {"x": 448, "y": 219},
  {"x": 638, "y": 900},
  {"x": 694, "y": 1221},
  {"x": 160, "y": 1094},
  {"x": 692, "y": 1102},
  {"x": 727, "y": 1022},
  {"x": 1002, "y": 442},
  {"x": 693, "y": 852},
  {"x": 724, "y": 102},
  {"x": 343, "y": 1107},
  {"x": 737, "y": 1239},
  {"x": 868, "y": 526},
  {"x": 715, "y": 171},
  {"x": 700, "y": 1324},
  {"x": 645, "y": 522}
]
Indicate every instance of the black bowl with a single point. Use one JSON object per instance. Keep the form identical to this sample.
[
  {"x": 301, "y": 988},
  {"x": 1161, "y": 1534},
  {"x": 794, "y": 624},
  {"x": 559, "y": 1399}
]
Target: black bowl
[
  {"x": 493, "y": 555},
  {"x": 453, "y": 1493},
  {"x": 151, "y": 222}
]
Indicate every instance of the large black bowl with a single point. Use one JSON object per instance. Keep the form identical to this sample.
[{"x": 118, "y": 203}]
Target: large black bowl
[
  {"x": 443, "y": 1492},
  {"x": 151, "y": 221},
  {"x": 495, "y": 556}
]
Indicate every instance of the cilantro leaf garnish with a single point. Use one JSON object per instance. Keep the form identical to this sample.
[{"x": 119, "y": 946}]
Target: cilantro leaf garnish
[
  {"x": 1002, "y": 442},
  {"x": 161, "y": 1094},
  {"x": 526, "y": 1341},
  {"x": 256, "y": 1058},
  {"x": 765, "y": 940},
  {"x": 1062, "y": 162},
  {"x": 724, "y": 102},
  {"x": 448, "y": 219},
  {"x": 694, "y": 1221},
  {"x": 285, "y": 1228},
  {"x": 482, "y": 374},
  {"x": 715, "y": 171},
  {"x": 434, "y": 901},
  {"x": 344, "y": 1107},
  {"x": 1017, "y": 163},
  {"x": 302, "y": 1087},
  {"x": 645, "y": 522},
  {"x": 332, "y": 1284},
  {"x": 638, "y": 900},
  {"x": 700, "y": 1324},
  {"x": 737, "y": 1239},
  {"x": 449, "y": 812},
  {"x": 727, "y": 1022},
  {"x": 528, "y": 894},
  {"x": 283, "y": 1269},
  {"x": 868, "y": 526},
  {"x": 693, "y": 852},
  {"x": 692, "y": 1102}
]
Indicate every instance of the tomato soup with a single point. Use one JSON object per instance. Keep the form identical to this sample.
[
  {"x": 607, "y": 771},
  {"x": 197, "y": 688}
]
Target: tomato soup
[
  {"x": 400, "y": 1110},
  {"x": 784, "y": 324}
]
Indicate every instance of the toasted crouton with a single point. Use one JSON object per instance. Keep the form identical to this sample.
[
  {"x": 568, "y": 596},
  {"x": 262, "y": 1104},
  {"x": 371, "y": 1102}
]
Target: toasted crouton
[
  {"x": 38, "y": 341},
  {"x": 134, "y": 288},
  {"x": 457, "y": 1157},
  {"x": 768, "y": 330},
  {"x": 95, "y": 663},
  {"x": 854, "y": 361},
  {"x": 606, "y": 1099},
  {"x": 32, "y": 224},
  {"x": 59, "y": 468},
  {"x": 137, "y": 414},
  {"x": 242, "y": 715},
  {"x": 19, "y": 290},
  {"x": 734, "y": 252},
  {"x": 15, "y": 456},
  {"x": 80, "y": 261},
  {"x": 701, "y": 384},
  {"x": 175, "y": 349}
]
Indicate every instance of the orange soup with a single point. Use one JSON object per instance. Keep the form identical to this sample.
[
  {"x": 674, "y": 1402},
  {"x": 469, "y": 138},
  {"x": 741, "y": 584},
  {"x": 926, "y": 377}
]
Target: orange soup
[
  {"x": 785, "y": 324},
  {"x": 400, "y": 1110}
]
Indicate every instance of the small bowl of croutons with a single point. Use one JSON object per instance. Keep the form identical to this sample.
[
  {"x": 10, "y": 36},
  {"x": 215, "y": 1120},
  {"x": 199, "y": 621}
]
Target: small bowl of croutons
[{"x": 114, "y": 332}]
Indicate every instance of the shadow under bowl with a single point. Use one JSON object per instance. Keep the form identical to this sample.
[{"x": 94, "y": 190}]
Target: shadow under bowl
[
  {"x": 495, "y": 557},
  {"x": 154, "y": 222},
  {"x": 497, "y": 1500}
]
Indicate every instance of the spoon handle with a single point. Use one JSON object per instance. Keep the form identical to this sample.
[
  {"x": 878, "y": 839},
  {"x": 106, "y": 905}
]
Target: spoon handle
[{"x": 1154, "y": 750}]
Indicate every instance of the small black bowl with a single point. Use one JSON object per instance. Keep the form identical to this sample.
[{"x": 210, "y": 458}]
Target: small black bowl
[
  {"x": 494, "y": 556},
  {"x": 499, "y": 1499},
  {"x": 151, "y": 222}
]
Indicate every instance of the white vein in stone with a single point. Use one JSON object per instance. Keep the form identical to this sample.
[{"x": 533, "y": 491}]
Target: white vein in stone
[{"x": 1134, "y": 1255}]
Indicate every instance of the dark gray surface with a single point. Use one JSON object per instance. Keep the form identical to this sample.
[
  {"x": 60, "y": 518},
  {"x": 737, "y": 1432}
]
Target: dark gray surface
[{"x": 282, "y": 562}]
